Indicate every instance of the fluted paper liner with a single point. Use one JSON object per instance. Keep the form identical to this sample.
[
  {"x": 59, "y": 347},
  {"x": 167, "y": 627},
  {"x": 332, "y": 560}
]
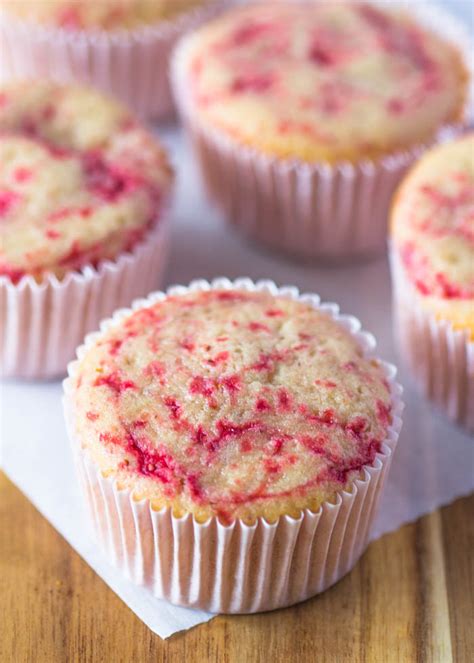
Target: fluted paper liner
[
  {"x": 41, "y": 324},
  {"x": 305, "y": 209},
  {"x": 129, "y": 64},
  {"x": 236, "y": 568},
  {"x": 440, "y": 357}
]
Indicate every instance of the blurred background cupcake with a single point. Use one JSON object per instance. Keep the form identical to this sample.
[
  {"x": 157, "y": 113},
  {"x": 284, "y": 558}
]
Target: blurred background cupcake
[
  {"x": 119, "y": 46},
  {"x": 432, "y": 247},
  {"x": 83, "y": 197},
  {"x": 304, "y": 116}
]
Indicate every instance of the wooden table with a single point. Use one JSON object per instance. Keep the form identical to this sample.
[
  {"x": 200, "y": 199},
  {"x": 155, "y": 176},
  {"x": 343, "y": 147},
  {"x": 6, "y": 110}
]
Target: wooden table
[{"x": 410, "y": 599}]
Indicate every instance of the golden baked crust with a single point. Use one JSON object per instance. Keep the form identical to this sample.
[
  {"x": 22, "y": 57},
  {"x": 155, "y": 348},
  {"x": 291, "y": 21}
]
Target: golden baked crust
[
  {"x": 80, "y": 180},
  {"x": 323, "y": 82},
  {"x": 432, "y": 225},
  {"x": 102, "y": 14},
  {"x": 231, "y": 404}
]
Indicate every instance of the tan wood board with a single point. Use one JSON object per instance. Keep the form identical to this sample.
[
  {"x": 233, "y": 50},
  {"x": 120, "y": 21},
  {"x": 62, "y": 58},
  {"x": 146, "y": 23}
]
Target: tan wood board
[{"x": 410, "y": 599}]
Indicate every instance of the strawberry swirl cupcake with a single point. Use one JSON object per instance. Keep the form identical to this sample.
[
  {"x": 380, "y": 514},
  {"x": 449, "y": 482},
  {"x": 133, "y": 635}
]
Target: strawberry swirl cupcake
[
  {"x": 432, "y": 227},
  {"x": 304, "y": 116},
  {"x": 232, "y": 441},
  {"x": 119, "y": 46},
  {"x": 82, "y": 191}
]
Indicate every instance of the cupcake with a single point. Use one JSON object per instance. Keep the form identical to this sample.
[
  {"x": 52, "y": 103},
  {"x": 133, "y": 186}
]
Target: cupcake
[
  {"x": 83, "y": 189},
  {"x": 232, "y": 441},
  {"x": 119, "y": 46},
  {"x": 304, "y": 116},
  {"x": 432, "y": 247}
]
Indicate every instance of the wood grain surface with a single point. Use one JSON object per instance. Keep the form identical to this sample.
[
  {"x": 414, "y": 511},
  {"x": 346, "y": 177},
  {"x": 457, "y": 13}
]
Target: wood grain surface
[{"x": 410, "y": 599}]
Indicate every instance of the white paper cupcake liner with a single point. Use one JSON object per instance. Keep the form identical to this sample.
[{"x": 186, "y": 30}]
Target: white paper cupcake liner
[
  {"x": 41, "y": 324},
  {"x": 440, "y": 358},
  {"x": 235, "y": 568},
  {"x": 131, "y": 65},
  {"x": 310, "y": 210}
]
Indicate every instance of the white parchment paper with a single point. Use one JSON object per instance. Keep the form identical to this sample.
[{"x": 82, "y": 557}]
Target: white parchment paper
[{"x": 434, "y": 462}]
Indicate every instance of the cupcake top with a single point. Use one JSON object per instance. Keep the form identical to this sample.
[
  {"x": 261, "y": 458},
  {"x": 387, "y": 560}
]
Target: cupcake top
[
  {"x": 325, "y": 81},
  {"x": 433, "y": 230},
  {"x": 101, "y": 14},
  {"x": 80, "y": 180},
  {"x": 230, "y": 403}
]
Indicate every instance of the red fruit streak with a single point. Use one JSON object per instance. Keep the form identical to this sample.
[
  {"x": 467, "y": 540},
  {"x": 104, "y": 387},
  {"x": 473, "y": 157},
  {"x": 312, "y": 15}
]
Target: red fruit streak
[
  {"x": 8, "y": 200},
  {"x": 115, "y": 382},
  {"x": 334, "y": 473}
]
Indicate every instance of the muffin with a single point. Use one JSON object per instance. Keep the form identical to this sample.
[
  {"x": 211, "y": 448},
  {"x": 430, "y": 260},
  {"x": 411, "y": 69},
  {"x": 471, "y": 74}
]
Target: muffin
[
  {"x": 246, "y": 430},
  {"x": 305, "y": 115},
  {"x": 432, "y": 228},
  {"x": 83, "y": 192},
  {"x": 119, "y": 46}
]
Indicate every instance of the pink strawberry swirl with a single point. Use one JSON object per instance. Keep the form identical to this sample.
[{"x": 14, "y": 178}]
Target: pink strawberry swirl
[
  {"x": 433, "y": 223},
  {"x": 80, "y": 180},
  {"x": 333, "y": 81},
  {"x": 232, "y": 404}
]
